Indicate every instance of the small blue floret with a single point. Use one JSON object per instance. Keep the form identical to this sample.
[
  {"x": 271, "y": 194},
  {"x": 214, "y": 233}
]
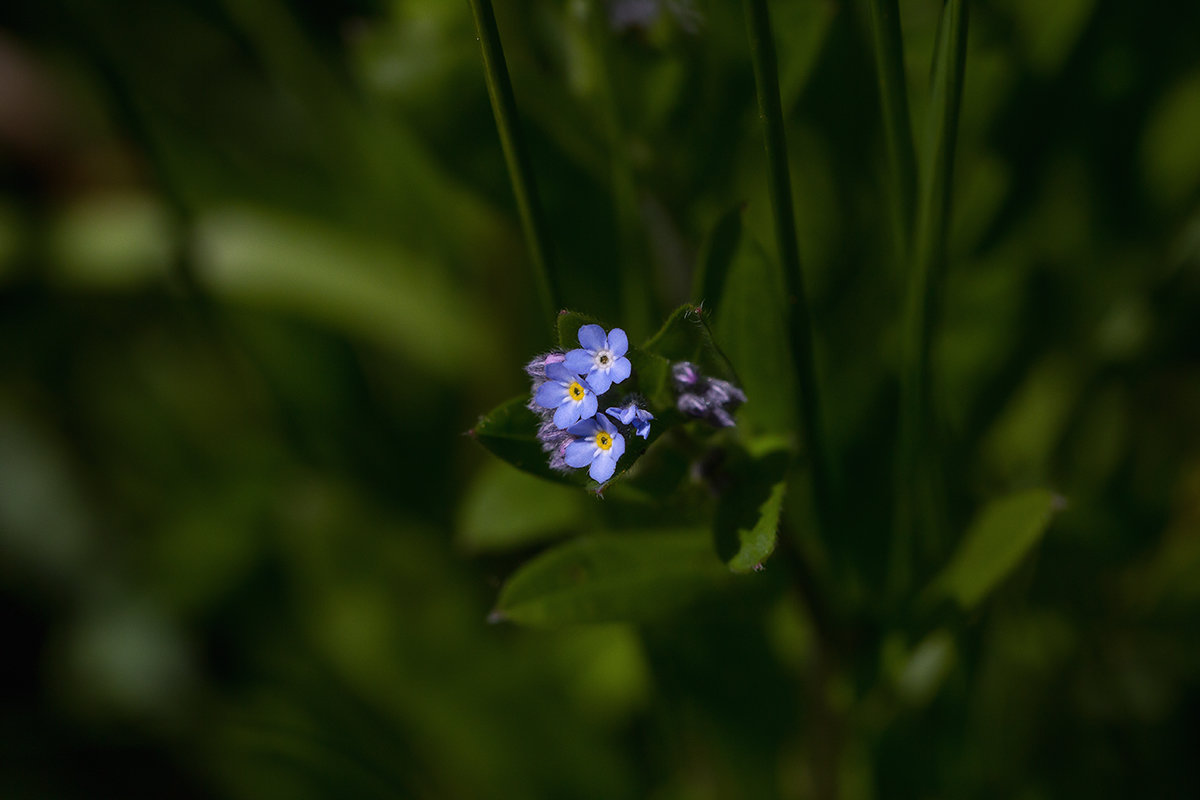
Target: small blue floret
[
  {"x": 571, "y": 399},
  {"x": 602, "y": 358},
  {"x": 599, "y": 447},
  {"x": 631, "y": 414}
]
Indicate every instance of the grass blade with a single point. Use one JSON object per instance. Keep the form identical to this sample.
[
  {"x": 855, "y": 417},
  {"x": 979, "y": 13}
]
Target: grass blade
[
  {"x": 917, "y": 482},
  {"x": 520, "y": 171},
  {"x": 893, "y": 99},
  {"x": 799, "y": 319}
]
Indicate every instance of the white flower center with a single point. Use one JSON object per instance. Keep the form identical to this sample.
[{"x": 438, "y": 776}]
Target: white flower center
[{"x": 604, "y": 359}]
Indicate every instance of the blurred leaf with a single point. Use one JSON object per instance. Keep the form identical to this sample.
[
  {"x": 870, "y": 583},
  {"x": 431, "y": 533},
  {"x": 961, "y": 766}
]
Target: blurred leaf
[
  {"x": 1170, "y": 156},
  {"x": 355, "y": 285},
  {"x": 630, "y": 577},
  {"x": 802, "y": 28},
  {"x": 505, "y": 509},
  {"x": 751, "y": 330},
  {"x": 112, "y": 240},
  {"x": 995, "y": 543},
  {"x": 509, "y": 431},
  {"x": 716, "y": 259},
  {"x": 921, "y": 672},
  {"x": 747, "y": 518},
  {"x": 1050, "y": 29}
]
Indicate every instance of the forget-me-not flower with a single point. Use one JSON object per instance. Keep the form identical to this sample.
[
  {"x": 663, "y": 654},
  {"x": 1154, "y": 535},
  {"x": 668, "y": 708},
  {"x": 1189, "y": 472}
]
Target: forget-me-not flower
[
  {"x": 631, "y": 414},
  {"x": 567, "y": 394},
  {"x": 602, "y": 360},
  {"x": 598, "y": 447}
]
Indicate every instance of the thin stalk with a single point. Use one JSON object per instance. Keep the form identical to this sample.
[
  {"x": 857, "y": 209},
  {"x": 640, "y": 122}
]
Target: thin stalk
[
  {"x": 897, "y": 127},
  {"x": 799, "y": 319},
  {"x": 917, "y": 480},
  {"x": 520, "y": 171}
]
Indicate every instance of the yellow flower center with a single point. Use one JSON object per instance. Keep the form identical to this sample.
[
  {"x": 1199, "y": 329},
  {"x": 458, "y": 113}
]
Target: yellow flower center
[
  {"x": 576, "y": 391},
  {"x": 603, "y": 441}
]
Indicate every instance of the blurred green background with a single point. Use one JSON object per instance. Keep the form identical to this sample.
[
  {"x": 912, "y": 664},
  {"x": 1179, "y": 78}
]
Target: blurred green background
[{"x": 260, "y": 268}]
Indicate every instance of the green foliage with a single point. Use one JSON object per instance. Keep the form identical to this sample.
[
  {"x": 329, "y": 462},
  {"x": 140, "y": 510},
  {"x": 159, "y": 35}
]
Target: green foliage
[
  {"x": 262, "y": 264},
  {"x": 747, "y": 520},
  {"x": 1003, "y": 533},
  {"x": 631, "y": 577},
  {"x": 509, "y": 431}
]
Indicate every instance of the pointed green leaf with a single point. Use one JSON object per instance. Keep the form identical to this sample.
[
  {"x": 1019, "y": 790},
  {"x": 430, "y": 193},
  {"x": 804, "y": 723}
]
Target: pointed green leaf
[
  {"x": 747, "y": 518},
  {"x": 510, "y": 432},
  {"x": 611, "y": 578},
  {"x": 1003, "y": 533}
]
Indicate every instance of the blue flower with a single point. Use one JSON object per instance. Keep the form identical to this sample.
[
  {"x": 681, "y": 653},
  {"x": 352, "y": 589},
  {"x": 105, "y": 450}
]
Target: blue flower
[
  {"x": 563, "y": 391},
  {"x": 599, "y": 445},
  {"x": 631, "y": 414},
  {"x": 602, "y": 360}
]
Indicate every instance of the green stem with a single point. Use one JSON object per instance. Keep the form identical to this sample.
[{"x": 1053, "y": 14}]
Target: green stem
[
  {"x": 917, "y": 480},
  {"x": 893, "y": 99},
  {"x": 799, "y": 319},
  {"x": 520, "y": 171}
]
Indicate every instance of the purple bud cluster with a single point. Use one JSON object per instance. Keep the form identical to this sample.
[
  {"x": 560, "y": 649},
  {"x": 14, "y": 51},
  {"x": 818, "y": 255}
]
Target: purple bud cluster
[{"x": 710, "y": 399}]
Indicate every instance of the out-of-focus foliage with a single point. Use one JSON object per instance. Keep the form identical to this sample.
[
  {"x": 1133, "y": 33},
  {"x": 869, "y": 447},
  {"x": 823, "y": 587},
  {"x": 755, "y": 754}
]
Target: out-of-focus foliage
[{"x": 260, "y": 270}]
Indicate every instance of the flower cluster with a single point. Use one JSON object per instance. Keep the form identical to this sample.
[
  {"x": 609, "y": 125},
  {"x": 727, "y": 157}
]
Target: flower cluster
[
  {"x": 710, "y": 399},
  {"x": 566, "y": 394}
]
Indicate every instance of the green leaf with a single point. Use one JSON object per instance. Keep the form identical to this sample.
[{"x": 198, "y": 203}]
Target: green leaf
[
  {"x": 510, "y": 432},
  {"x": 506, "y": 509},
  {"x": 631, "y": 577},
  {"x": 369, "y": 289},
  {"x": 747, "y": 518},
  {"x": 716, "y": 259},
  {"x": 994, "y": 545},
  {"x": 569, "y": 323},
  {"x": 752, "y": 331}
]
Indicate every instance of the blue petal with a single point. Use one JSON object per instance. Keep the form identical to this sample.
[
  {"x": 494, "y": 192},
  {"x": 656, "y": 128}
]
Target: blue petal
[
  {"x": 602, "y": 468},
  {"x": 587, "y": 406},
  {"x": 620, "y": 370},
  {"x": 618, "y": 447},
  {"x": 550, "y": 395},
  {"x": 579, "y": 453},
  {"x": 560, "y": 373},
  {"x": 587, "y": 427},
  {"x": 622, "y": 415},
  {"x": 618, "y": 342},
  {"x": 599, "y": 380},
  {"x": 567, "y": 415},
  {"x": 603, "y": 423},
  {"x": 577, "y": 362},
  {"x": 592, "y": 337}
]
